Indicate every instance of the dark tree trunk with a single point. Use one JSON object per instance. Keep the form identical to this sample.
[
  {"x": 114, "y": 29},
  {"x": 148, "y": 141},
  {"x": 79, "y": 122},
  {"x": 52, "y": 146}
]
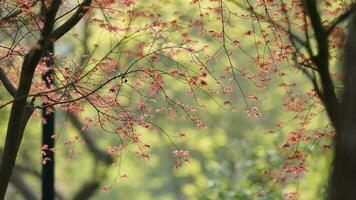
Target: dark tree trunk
[
  {"x": 48, "y": 192},
  {"x": 48, "y": 170},
  {"x": 343, "y": 178}
]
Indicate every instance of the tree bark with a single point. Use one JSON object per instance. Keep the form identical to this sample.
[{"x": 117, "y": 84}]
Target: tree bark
[
  {"x": 321, "y": 60},
  {"x": 48, "y": 169},
  {"x": 19, "y": 116},
  {"x": 343, "y": 178}
]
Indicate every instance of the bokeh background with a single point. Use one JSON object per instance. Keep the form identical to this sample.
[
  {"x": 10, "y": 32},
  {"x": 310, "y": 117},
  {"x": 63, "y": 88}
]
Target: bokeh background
[{"x": 228, "y": 158}]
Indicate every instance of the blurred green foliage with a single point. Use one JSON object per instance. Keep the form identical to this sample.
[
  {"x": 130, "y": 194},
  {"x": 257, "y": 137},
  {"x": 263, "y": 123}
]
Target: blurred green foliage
[{"x": 228, "y": 157}]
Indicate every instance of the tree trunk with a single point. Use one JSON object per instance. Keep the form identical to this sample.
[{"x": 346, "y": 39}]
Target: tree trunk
[
  {"x": 48, "y": 170},
  {"x": 19, "y": 116},
  {"x": 343, "y": 178}
]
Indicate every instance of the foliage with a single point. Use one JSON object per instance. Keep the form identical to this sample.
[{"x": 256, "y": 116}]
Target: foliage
[{"x": 212, "y": 96}]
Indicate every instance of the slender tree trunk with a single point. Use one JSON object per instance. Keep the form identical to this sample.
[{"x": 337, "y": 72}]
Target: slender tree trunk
[
  {"x": 48, "y": 169},
  {"x": 343, "y": 178},
  {"x": 19, "y": 116}
]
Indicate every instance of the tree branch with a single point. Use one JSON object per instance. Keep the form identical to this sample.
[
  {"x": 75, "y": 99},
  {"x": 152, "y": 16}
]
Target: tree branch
[
  {"x": 11, "y": 15},
  {"x": 15, "y": 13},
  {"x": 322, "y": 63},
  {"x": 340, "y": 19},
  {"x": 87, "y": 190},
  {"x": 72, "y": 21},
  {"x": 23, "y": 187},
  {"x": 85, "y": 134},
  {"x": 91, "y": 186},
  {"x": 9, "y": 86},
  {"x": 295, "y": 37}
]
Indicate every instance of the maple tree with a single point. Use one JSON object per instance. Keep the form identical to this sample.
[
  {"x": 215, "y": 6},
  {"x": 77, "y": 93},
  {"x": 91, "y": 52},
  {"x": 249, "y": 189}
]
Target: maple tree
[
  {"x": 316, "y": 35},
  {"x": 150, "y": 49}
]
